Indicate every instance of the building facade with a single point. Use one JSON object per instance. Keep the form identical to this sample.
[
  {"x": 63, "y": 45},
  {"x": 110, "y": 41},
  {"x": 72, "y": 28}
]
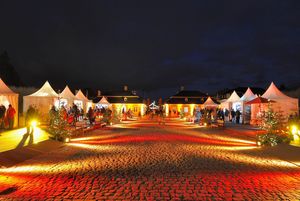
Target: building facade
[
  {"x": 184, "y": 103},
  {"x": 124, "y": 101}
]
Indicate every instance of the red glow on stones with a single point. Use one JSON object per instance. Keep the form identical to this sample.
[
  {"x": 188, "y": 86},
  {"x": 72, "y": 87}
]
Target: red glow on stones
[{"x": 164, "y": 137}]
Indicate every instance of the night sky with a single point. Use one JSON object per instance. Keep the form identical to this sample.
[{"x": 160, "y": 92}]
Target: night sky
[{"x": 153, "y": 46}]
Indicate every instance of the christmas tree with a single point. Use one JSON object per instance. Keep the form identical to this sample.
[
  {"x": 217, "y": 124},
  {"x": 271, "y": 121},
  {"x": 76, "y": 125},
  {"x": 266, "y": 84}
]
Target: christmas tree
[
  {"x": 59, "y": 125},
  {"x": 273, "y": 123}
]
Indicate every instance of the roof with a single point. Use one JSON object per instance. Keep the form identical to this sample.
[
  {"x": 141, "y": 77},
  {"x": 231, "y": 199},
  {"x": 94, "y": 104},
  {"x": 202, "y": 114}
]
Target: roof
[
  {"x": 45, "y": 91},
  {"x": 186, "y": 100},
  {"x": 248, "y": 95},
  {"x": 118, "y": 94},
  {"x": 189, "y": 93},
  {"x": 81, "y": 96},
  {"x": 187, "y": 97},
  {"x": 210, "y": 102},
  {"x": 124, "y": 99},
  {"x": 119, "y": 97},
  {"x": 4, "y": 89},
  {"x": 233, "y": 97},
  {"x": 274, "y": 93},
  {"x": 67, "y": 93}
]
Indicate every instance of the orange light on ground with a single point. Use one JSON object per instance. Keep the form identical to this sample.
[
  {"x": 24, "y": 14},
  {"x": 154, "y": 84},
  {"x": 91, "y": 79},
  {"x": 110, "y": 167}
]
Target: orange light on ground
[{"x": 237, "y": 148}]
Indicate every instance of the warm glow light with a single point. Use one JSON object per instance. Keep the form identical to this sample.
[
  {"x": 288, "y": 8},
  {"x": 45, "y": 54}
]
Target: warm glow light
[
  {"x": 34, "y": 123},
  {"x": 238, "y": 148},
  {"x": 294, "y": 130},
  {"x": 142, "y": 110},
  {"x": 192, "y": 107},
  {"x": 67, "y": 140}
]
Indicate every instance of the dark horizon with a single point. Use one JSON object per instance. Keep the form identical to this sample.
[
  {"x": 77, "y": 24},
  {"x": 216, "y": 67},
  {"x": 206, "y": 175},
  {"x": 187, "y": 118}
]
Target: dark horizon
[{"x": 153, "y": 47}]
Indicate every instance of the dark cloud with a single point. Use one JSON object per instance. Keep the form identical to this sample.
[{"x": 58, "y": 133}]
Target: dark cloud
[{"x": 153, "y": 46}]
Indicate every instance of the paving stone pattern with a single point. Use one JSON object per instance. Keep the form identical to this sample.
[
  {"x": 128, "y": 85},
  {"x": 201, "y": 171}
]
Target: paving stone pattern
[{"x": 150, "y": 163}]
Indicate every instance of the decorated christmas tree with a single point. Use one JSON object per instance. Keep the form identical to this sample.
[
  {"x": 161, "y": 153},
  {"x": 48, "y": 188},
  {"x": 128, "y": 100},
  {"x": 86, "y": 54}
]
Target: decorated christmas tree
[
  {"x": 59, "y": 125},
  {"x": 273, "y": 123}
]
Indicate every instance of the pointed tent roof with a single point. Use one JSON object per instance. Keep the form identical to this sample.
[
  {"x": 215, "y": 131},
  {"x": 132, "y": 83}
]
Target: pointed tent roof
[
  {"x": 81, "y": 96},
  {"x": 4, "y": 89},
  {"x": 103, "y": 101},
  {"x": 45, "y": 91},
  {"x": 233, "y": 97},
  {"x": 210, "y": 102},
  {"x": 248, "y": 95},
  {"x": 274, "y": 93},
  {"x": 153, "y": 106},
  {"x": 67, "y": 93}
]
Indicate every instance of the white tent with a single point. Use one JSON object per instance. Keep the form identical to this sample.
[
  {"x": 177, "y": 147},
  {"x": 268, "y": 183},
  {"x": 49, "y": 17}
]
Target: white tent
[
  {"x": 67, "y": 98},
  {"x": 283, "y": 103},
  {"x": 7, "y": 96},
  {"x": 248, "y": 96},
  {"x": 153, "y": 106},
  {"x": 232, "y": 103},
  {"x": 103, "y": 103},
  {"x": 246, "y": 109},
  {"x": 82, "y": 101},
  {"x": 234, "y": 97},
  {"x": 43, "y": 99},
  {"x": 210, "y": 103}
]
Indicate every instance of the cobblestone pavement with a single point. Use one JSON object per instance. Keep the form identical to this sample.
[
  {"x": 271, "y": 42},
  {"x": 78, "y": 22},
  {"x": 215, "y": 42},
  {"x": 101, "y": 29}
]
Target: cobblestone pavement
[{"x": 153, "y": 163}]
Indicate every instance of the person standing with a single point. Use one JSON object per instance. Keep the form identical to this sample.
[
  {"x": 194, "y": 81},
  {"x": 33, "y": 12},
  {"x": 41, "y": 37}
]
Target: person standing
[
  {"x": 31, "y": 115},
  {"x": 232, "y": 115},
  {"x": 10, "y": 114},
  {"x": 2, "y": 115},
  {"x": 237, "y": 117},
  {"x": 90, "y": 115},
  {"x": 52, "y": 115}
]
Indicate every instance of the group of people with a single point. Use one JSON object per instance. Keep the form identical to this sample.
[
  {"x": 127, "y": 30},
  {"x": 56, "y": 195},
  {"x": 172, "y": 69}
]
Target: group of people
[
  {"x": 7, "y": 116},
  {"x": 72, "y": 115},
  {"x": 232, "y": 115},
  {"x": 103, "y": 112}
]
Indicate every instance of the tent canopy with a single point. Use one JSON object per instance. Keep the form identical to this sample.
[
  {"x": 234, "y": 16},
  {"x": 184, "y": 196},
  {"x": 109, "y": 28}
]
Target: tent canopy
[
  {"x": 81, "y": 96},
  {"x": 248, "y": 95},
  {"x": 210, "y": 103},
  {"x": 282, "y": 103},
  {"x": 4, "y": 89},
  {"x": 103, "y": 101},
  {"x": 67, "y": 93},
  {"x": 274, "y": 93},
  {"x": 45, "y": 91},
  {"x": 233, "y": 98},
  {"x": 259, "y": 100},
  {"x": 43, "y": 99},
  {"x": 7, "y": 96}
]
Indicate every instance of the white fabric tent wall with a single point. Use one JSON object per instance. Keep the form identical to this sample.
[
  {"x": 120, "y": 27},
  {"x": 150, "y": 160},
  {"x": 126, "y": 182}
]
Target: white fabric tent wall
[
  {"x": 85, "y": 101},
  {"x": 210, "y": 103},
  {"x": 103, "y": 102},
  {"x": 43, "y": 99},
  {"x": 231, "y": 102},
  {"x": 246, "y": 109},
  {"x": 67, "y": 96},
  {"x": 283, "y": 103},
  {"x": 7, "y": 96}
]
